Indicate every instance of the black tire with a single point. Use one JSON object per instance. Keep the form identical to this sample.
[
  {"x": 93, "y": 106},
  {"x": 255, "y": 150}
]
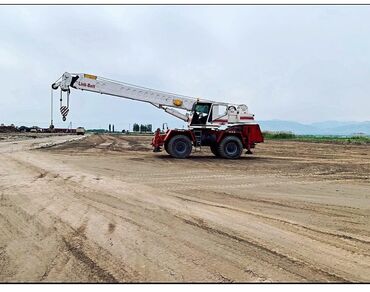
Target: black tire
[
  {"x": 214, "y": 150},
  {"x": 179, "y": 146},
  {"x": 166, "y": 147},
  {"x": 230, "y": 147}
]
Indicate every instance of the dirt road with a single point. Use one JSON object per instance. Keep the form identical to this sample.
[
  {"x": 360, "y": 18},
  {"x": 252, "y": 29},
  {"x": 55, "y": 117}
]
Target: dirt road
[{"x": 107, "y": 209}]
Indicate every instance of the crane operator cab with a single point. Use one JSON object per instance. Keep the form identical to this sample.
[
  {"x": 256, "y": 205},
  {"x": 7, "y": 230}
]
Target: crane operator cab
[
  {"x": 213, "y": 114},
  {"x": 201, "y": 112}
]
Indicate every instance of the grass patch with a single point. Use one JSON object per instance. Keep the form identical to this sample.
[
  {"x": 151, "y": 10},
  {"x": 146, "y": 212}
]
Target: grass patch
[
  {"x": 279, "y": 135},
  {"x": 317, "y": 138}
]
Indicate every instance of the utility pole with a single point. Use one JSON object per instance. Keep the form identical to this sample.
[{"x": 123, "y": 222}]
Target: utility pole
[{"x": 51, "y": 110}]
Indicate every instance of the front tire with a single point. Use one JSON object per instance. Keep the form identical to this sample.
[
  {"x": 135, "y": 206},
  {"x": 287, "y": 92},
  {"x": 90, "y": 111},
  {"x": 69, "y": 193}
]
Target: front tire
[
  {"x": 179, "y": 146},
  {"x": 166, "y": 147},
  {"x": 230, "y": 147}
]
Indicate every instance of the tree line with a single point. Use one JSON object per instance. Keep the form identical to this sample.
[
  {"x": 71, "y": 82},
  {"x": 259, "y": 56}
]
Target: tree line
[{"x": 142, "y": 128}]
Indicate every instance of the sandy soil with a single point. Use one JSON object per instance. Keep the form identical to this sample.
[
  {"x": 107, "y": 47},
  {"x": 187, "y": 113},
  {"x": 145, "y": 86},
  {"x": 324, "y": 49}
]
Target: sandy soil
[{"x": 107, "y": 209}]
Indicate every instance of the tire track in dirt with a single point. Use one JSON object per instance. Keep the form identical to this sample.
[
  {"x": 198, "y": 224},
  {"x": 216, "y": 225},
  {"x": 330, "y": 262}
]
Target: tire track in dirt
[
  {"x": 345, "y": 236},
  {"x": 86, "y": 191},
  {"x": 292, "y": 265},
  {"x": 74, "y": 244},
  {"x": 119, "y": 226},
  {"x": 332, "y": 276}
]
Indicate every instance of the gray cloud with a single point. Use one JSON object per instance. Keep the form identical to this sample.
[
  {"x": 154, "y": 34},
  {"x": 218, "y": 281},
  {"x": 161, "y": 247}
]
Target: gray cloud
[{"x": 303, "y": 63}]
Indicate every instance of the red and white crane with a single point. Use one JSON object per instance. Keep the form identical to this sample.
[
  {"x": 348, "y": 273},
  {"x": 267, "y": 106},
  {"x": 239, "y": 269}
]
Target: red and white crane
[{"x": 226, "y": 128}]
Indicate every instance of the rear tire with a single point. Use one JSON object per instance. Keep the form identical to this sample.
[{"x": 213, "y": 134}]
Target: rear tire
[
  {"x": 179, "y": 146},
  {"x": 230, "y": 147}
]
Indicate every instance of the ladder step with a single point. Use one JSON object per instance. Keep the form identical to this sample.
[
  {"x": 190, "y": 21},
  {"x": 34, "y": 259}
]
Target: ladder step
[{"x": 198, "y": 137}]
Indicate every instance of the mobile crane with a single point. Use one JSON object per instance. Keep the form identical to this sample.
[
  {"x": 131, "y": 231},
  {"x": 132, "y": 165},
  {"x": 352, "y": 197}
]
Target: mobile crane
[{"x": 226, "y": 128}]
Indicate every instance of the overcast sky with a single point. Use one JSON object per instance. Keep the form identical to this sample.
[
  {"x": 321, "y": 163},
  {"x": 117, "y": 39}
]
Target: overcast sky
[{"x": 298, "y": 63}]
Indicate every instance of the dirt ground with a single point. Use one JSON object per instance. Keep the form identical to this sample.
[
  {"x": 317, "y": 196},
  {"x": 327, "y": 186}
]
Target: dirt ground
[{"x": 104, "y": 208}]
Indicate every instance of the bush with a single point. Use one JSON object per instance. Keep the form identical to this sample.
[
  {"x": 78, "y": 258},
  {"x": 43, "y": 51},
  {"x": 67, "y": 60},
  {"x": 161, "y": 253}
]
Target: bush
[{"x": 278, "y": 135}]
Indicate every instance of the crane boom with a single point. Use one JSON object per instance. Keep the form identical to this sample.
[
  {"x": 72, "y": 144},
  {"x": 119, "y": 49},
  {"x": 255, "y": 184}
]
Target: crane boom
[{"x": 160, "y": 99}]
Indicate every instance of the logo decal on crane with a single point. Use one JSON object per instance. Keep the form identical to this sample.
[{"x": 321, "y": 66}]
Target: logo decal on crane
[{"x": 86, "y": 84}]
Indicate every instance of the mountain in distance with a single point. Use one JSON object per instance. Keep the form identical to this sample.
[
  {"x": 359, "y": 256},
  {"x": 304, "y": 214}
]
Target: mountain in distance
[
  {"x": 331, "y": 124},
  {"x": 318, "y": 128}
]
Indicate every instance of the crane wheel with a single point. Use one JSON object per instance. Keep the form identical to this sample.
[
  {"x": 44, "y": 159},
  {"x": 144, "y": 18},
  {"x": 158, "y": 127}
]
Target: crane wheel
[
  {"x": 230, "y": 147},
  {"x": 179, "y": 146},
  {"x": 166, "y": 147},
  {"x": 214, "y": 150}
]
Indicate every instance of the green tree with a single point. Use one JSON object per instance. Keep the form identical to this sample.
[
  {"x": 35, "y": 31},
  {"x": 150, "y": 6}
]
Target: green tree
[{"x": 136, "y": 127}]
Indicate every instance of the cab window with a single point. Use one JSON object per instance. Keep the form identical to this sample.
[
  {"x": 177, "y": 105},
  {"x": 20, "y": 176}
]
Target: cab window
[
  {"x": 218, "y": 111},
  {"x": 200, "y": 113}
]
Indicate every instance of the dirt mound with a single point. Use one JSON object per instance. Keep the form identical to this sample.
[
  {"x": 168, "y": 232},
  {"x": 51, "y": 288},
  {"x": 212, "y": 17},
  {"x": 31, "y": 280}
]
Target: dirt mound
[{"x": 106, "y": 143}]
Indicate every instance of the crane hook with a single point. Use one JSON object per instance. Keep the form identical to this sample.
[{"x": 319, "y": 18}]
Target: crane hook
[{"x": 64, "y": 109}]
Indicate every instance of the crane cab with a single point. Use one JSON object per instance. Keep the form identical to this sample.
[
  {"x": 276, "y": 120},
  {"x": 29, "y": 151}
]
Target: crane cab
[
  {"x": 214, "y": 115},
  {"x": 201, "y": 113}
]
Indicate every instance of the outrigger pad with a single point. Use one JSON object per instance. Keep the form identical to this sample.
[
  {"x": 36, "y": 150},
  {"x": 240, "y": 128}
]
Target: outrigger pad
[
  {"x": 249, "y": 152},
  {"x": 157, "y": 149}
]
